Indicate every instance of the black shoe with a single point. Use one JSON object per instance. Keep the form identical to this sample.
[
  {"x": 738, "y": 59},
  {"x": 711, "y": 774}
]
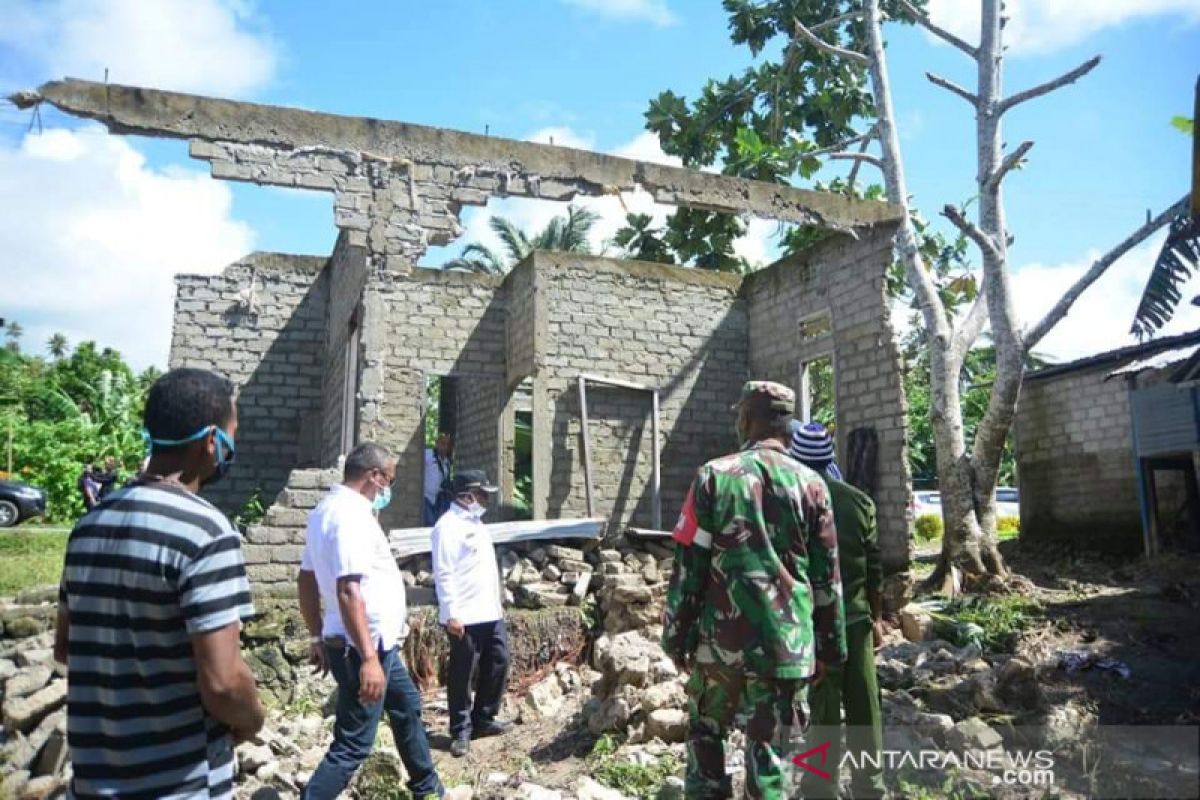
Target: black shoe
[
  {"x": 494, "y": 727},
  {"x": 460, "y": 747}
]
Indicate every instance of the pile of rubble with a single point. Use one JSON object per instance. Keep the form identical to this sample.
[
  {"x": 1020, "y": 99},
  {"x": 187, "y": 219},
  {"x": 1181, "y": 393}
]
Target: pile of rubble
[
  {"x": 546, "y": 575},
  {"x": 33, "y": 690}
]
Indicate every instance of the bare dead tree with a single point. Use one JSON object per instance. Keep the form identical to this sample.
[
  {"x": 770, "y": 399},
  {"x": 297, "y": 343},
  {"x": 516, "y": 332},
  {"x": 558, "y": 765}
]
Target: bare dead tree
[{"x": 967, "y": 480}]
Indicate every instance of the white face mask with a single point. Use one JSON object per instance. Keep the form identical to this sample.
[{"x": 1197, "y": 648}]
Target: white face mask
[{"x": 474, "y": 509}]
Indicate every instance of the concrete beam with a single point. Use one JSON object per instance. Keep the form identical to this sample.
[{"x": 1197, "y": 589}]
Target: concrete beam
[{"x": 533, "y": 170}]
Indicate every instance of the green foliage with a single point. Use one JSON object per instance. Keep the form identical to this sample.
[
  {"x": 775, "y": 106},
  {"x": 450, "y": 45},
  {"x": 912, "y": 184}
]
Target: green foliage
[
  {"x": 994, "y": 623},
  {"x": 928, "y": 527},
  {"x": 72, "y": 411},
  {"x": 433, "y": 405},
  {"x": 566, "y": 233},
  {"x": 1008, "y": 527},
  {"x": 252, "y": 511},
  {"x": 1184, "y": 125},
  {"x": 632, "y": 780},
  {"x": 30, "y": 558}
]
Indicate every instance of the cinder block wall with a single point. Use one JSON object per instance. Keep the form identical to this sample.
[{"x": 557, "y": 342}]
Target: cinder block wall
[
  {"x": 843, "y": 278},
  {"x": 273, "y": 352},
  {"x": 423, "y": 324},
  {"x": 683, "y": 331},
  {"x": 1074, "y": 449}
]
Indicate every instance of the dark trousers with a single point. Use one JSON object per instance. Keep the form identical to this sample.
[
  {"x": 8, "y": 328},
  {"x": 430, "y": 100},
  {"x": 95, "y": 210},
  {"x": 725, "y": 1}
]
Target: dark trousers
[
  {"x": 487, "y": 642},
  {"x": 355, "y": 724}
]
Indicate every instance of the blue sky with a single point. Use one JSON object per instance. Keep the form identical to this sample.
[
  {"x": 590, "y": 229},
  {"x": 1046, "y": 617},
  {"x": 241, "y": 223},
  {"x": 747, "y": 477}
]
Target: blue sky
[{"x": 101, "y": 223}]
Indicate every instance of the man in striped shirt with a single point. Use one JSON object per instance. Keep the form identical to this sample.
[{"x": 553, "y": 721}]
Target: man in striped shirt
[{"x": 153, "y": 594}]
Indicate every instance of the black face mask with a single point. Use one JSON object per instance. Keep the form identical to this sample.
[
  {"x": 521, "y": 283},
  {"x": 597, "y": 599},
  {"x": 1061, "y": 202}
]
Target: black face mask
[{"x": 225, "y": 456}]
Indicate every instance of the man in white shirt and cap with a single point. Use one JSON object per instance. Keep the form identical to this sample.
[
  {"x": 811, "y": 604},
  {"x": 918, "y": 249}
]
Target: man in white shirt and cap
[
  {"x": 349, "y": 569},
  {"x": 469, "y": 605}
]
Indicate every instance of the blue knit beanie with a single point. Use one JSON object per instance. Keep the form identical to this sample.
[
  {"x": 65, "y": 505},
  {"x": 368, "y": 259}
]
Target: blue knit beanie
[{"x": 812, "y": 446}]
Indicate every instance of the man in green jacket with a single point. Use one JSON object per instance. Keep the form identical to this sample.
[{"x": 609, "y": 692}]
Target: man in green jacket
[
  {"x": 853, "y": 687},
  {"x": 754, "y": 608}
]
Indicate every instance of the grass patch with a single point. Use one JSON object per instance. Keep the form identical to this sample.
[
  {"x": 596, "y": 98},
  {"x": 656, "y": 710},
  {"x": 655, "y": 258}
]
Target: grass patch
[
  {"x": 30, "y": 558},
  {"x": 633, "y": 780}
]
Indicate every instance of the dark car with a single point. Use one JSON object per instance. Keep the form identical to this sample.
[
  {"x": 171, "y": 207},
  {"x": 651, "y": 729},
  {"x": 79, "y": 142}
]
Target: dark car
[{"x": 19, "y": 502}]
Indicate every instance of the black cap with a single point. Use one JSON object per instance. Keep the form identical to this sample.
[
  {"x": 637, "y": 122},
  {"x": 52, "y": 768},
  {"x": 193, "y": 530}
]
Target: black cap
[{"x": 469, "y": 479}]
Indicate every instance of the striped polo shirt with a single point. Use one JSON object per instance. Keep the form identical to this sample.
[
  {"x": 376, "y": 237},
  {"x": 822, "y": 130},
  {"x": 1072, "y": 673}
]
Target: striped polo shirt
[{"x": 147, "y": 568}]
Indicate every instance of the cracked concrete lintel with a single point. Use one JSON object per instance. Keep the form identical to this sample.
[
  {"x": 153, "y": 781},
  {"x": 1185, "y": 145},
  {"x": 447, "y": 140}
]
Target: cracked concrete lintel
[{"x": 135, "y": 110}]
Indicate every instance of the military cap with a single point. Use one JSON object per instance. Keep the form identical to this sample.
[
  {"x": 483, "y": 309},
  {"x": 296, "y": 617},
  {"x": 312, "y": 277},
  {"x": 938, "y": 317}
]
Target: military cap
[{"x": 768, "y": 394}]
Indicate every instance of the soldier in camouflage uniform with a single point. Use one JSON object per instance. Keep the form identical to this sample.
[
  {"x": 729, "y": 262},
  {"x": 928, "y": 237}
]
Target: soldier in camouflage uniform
[{"x": 754, "y": 608}]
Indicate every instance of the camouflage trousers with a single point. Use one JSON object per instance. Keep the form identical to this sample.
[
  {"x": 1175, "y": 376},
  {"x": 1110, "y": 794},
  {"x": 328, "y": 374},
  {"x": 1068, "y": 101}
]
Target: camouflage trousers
[{"x": 772, "y": 712}]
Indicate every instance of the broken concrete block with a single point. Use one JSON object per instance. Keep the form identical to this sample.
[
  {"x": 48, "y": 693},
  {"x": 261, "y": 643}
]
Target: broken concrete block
[
  {"x": 610, "y": 556},
  {"x": 668, "y": 724},
  {"x": 42, "y": 788},
  {"x": 559, "y": 552},
  {"x": 916, "y": 624},
  {"x": 26, "y": 682},
  {"x": 14, "y": 783},
  {"x": 589, "y": 789},
  {"x": 544, "y": 699},
  {"x": 54, "y": 754},
  {"x": 32, "y": 658},
  {"x": 974, "y": 734},
  {"x": 552, "y": 573},
  {"x": 24, "y": 713},
  {"x": 580, "y": 589}
]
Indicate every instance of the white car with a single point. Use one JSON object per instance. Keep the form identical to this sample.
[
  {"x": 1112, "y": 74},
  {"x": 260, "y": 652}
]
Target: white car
[{"x": 1008, "y": 503}]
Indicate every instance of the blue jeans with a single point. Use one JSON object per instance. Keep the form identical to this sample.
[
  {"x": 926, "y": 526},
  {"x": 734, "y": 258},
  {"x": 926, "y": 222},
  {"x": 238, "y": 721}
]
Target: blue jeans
[{"x": 354, "y": 727}]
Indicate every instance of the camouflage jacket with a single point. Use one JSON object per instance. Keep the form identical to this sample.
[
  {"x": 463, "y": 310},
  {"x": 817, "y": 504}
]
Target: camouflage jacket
[{"x": 755, "y": 584}]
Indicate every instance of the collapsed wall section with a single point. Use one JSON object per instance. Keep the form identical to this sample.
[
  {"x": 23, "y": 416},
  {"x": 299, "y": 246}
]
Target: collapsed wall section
[
  {"x": 841, "y": 282},
  {"x": 260, "y": 323},
  {"x": 682, "y": 331}
]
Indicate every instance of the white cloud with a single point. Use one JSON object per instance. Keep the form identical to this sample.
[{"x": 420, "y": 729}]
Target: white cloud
[
  {"x": 1042, "y": 26},
  {"x": 97, "y": 236},
  {"x": 562, "y": 136},
  {"x": 654, "y": 11},
  {"x": 204, "y": 46},
  {"x": 1100, "y": 319}
]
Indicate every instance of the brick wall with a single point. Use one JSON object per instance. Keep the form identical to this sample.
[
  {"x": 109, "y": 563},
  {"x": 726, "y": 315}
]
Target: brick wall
[
  {"x": 844, "y": 279},
  {"x": 1074, "y": 451},
  {"x": 682, "y": 331},
  {"x": 272, "y": 349},
  {"x": 424, "y": 324},
  {"x": 274, "y": 548}
]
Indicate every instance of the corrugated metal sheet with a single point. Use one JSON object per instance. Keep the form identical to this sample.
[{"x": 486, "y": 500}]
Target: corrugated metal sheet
[
  {"x": 1157, "y": 361},
  {"x": 407, "y": 542},
  {"x": 1166, "y": 420}
]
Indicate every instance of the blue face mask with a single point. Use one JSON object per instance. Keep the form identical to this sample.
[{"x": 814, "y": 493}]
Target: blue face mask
[
  {"x": 382, "y": 498},
  {"x": 226, "y": 449}
]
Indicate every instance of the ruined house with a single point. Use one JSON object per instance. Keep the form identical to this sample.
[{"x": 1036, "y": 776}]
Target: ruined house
[{"x": 331, "y": 351}]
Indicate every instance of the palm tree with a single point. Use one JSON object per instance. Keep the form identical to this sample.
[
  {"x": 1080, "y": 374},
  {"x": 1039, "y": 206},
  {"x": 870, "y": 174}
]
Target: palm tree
[
  {"x": 567, "y": 233},
  {"x": 57, "y": 345},
  {"x": 639, "y": 239},
  {"x": 13, "y": 334}
]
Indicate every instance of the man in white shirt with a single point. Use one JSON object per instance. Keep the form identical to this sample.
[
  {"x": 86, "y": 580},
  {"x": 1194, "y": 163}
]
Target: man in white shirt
[
  {"x": 439, "y": 463},
  {"x": 469, "y": 605},
  {"x": 348, "y": 568}
]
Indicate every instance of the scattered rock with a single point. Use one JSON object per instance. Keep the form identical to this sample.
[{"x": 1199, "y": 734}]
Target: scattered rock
[
  {"x": 544, "y": 699},
  {"x": 663, "y": 695},
  {"x": 1017, "y": 685},
  {"x": 32, "y": 658},
  {"x": 531, "y": 791},
  {"x": 588, "y": 789},
  {"x": 26, "y": 682},
  {"x": 7, "y": 670},
  {"x": 24, "y": 627},
  {"x": 252, "y": 757},
  {"x": 974, "y": 734},
  {"x": 54, "y": 754},
  {"x": 916, "y": 624},
  {"x": 668, "y": 724},
  {"x": 24, "y": 713}
]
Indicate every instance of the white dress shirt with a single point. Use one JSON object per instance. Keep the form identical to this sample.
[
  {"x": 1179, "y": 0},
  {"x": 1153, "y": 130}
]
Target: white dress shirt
[
  {"x": 344, "y": 538},
  {"x": 464, "y": 567}
]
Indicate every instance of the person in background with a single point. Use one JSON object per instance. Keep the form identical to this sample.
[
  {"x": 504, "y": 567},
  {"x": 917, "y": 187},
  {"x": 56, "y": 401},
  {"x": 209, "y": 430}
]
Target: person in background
[
  {"x": 153, "y": 594},
  {"x": 853, "y": 687},
  {"x": 439, "y": 466},
  {"x": 89, "y": 489},
  {"x": 754, "y": 606},
  {"x": 109, "y": 477},
  {"x": 353, "y": 602},
  {"x": 469, "y": 605}
]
